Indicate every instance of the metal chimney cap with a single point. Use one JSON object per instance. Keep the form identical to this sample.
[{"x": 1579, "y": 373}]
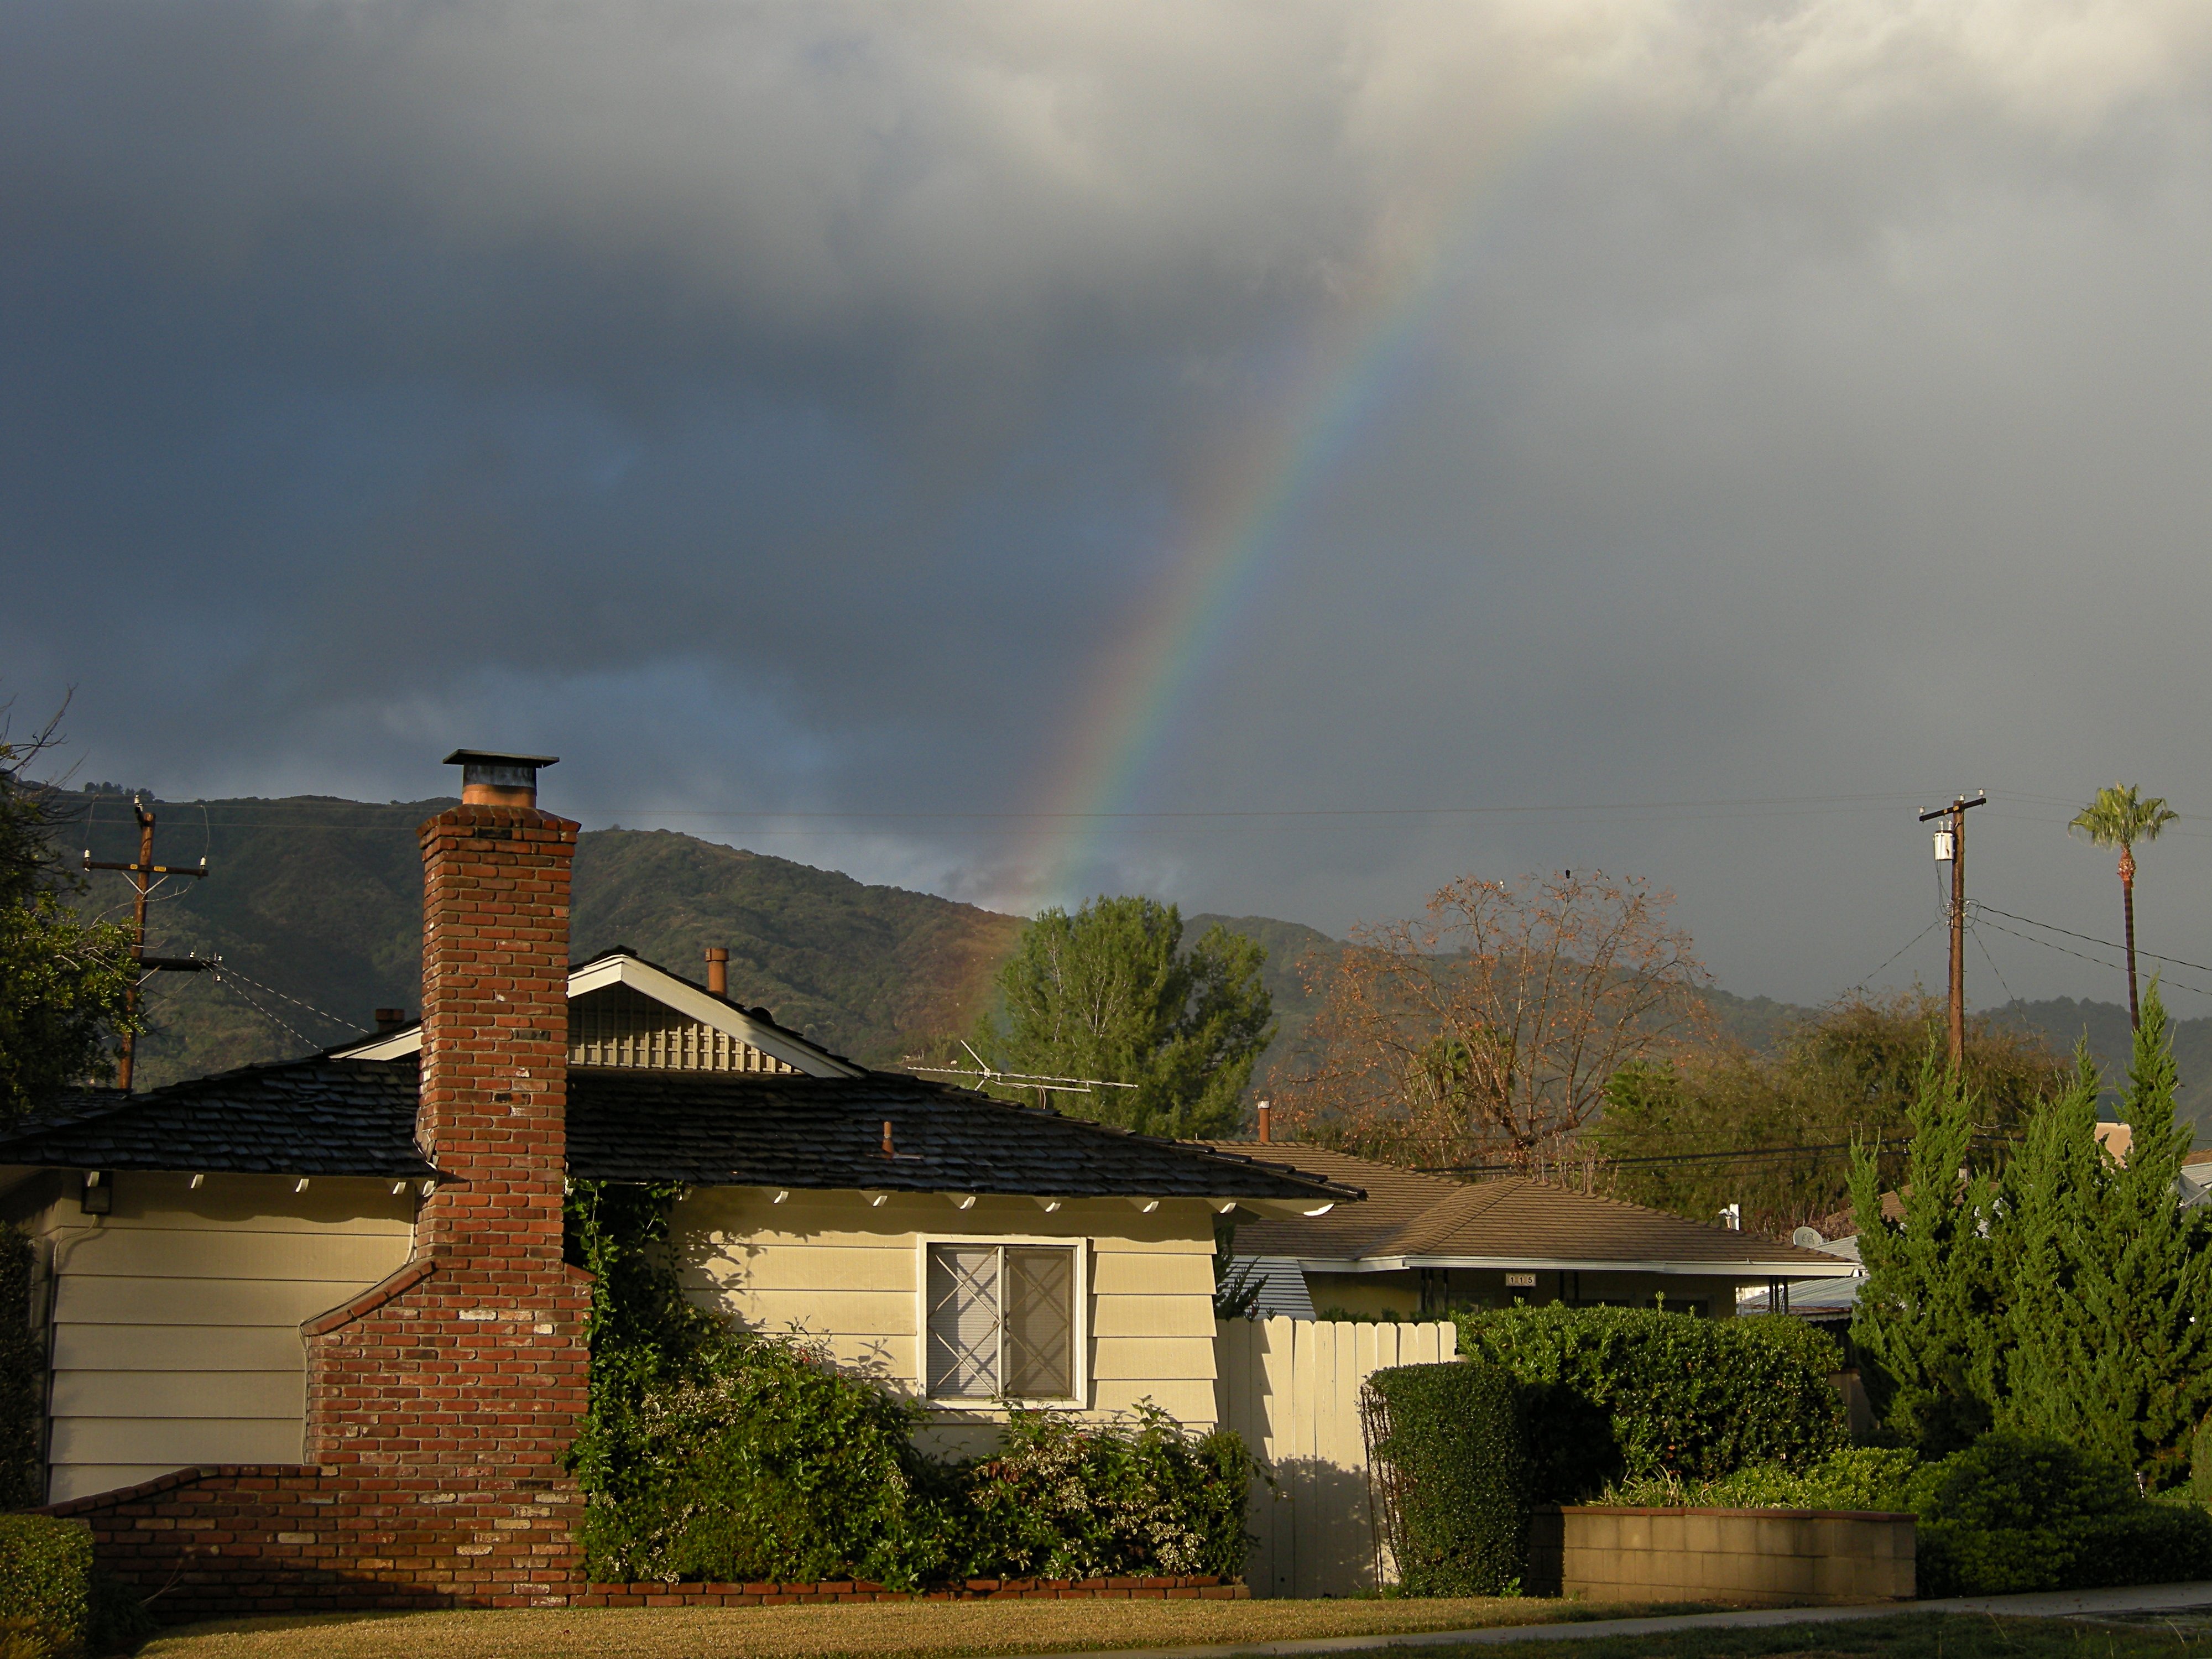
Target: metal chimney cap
[
  {"x": 493, "y": 757},
  {"x": 489, "y": 779}
]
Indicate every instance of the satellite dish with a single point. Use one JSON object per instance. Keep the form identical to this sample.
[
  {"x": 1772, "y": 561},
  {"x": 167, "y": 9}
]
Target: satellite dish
[{"x": 1808, "y": 1237}]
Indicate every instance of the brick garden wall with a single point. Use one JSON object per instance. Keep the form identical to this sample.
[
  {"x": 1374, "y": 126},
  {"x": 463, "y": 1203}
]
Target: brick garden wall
[
  {"x": 243, "y": 1540},
  {"x": 273, "y": 1539}
]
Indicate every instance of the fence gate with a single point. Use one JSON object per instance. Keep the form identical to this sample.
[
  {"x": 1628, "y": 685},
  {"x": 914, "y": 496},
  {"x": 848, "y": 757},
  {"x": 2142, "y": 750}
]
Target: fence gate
[{"x": 1290, "y": 1386}]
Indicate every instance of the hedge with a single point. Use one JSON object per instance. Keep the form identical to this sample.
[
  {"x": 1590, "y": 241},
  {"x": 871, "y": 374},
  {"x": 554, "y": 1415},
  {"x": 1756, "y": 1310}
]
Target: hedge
[
  {"x": 22, "y": 1371},
  {"x": 1448, "y": 1447},
  {"x": 1865, "y": 1478},
  {"x": 1613, "y": 1393},
  {"x": 2013, "y": 1512},
  {"x": 45, "y": 1580}
]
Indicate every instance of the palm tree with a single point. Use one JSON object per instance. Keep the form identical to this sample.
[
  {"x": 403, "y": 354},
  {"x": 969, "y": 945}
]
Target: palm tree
[{"x": 2118, "y": 819}]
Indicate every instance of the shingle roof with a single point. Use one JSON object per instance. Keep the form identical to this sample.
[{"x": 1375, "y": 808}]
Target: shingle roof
[
  {"x": 1410, "y": 1215},
  {"x": 297, "y": 1117},
  {"x": 357, "y": 1117}
]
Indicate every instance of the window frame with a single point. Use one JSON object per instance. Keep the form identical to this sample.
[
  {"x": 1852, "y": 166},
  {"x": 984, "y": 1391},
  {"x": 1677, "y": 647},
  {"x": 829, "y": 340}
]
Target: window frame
[{"x": 1080, "y": 1361}]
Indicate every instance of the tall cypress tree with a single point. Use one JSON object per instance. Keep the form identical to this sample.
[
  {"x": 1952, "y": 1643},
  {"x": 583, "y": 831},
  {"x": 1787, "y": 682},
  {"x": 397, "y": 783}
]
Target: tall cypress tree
[
  {"x": 2111, "y": 1326},
  {"x": 2053, "y": 1215},
  {"x": 1931, "y": 1312}
]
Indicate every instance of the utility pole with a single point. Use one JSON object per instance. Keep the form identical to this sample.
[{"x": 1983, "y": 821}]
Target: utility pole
[
  {"x": 142, "y": 875},
  {"x": 1951, "y": 848}
]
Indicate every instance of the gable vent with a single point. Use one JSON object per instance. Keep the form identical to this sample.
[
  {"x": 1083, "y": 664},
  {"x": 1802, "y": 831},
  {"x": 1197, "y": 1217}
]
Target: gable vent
[{"x": 622, "y": 1027}]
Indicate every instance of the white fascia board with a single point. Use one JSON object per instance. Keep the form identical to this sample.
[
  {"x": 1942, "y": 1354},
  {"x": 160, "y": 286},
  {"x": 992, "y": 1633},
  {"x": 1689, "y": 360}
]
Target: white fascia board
[
  {"x": 1286, "y": 1209},
  {"x": 1749, "y": 1270},
  {"x": 407, "y": 1040},
  {"x": 664, "y": 989}
]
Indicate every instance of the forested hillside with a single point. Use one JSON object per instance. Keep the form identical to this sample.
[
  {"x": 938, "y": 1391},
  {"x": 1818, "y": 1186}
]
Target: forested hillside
[{"x": 317, "y": 905}]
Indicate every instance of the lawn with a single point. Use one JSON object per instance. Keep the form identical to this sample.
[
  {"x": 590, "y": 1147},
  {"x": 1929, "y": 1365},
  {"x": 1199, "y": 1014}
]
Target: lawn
[
  {"x": 939, "y": 1630},
  {"x": 1907, "y": 1635},
  {"x": 925, "y": 1630}
]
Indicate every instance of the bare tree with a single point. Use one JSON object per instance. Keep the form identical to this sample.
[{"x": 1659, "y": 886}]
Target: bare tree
[{"x": 1487, "y": 1028}]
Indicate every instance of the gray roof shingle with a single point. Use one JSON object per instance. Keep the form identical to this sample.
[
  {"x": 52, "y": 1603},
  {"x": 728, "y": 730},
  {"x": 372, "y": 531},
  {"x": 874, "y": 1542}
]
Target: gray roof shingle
[{"x": 326, "y": 1117}]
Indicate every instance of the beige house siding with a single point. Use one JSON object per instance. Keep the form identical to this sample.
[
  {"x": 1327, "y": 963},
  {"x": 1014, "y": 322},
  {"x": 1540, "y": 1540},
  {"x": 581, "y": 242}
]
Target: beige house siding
[
  {"x": 174, "y": 1321},
  {"x": 830, "y": 1265}
]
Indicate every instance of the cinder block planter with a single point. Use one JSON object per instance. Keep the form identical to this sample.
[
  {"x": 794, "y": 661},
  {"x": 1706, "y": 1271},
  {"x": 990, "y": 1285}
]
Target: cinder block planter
[{"x": 1764, "y": 1557}]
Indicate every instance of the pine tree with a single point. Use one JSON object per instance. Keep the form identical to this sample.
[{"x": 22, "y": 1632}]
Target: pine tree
[
  {"x": 1930, "y": 1314},
  {"x": 2052, "y": 1217},
  {"x": 2113, "y": 1324}
]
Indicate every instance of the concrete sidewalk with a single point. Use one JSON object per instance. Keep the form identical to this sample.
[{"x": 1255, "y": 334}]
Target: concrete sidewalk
[{"x": 2057, "y": 1604}]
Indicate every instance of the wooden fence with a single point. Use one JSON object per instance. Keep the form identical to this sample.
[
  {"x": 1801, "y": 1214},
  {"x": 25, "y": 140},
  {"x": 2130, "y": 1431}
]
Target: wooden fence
[{"x": 1290, "y": 1386}]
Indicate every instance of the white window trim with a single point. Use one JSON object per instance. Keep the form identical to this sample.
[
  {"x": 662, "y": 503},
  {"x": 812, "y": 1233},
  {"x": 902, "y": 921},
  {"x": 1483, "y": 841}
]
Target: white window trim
[{"x": 1081, "y": 1247}]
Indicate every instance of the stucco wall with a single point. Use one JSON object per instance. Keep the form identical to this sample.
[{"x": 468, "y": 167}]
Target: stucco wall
[
  {"x": 833, "y": 1266},
  {"x": 175, "y": 1319}
]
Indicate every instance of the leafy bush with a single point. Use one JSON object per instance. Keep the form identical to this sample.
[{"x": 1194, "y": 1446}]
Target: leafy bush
[
  {"x": 1455, "y": 1474},
  {"x": 766, "y": 1463},
  {"x": 1856, "y": 1478},
  {"x": 45, "y": 1582},
  {"x": 2016, "y": 1512},
  {"x": 1068, "y": 1499},
  {"x": 1622, "y": 1393},
  {"x": 713, "y": 1453},
  {"x": 2200, "y": 1463},
  {"x": 22, "y": 1367}
]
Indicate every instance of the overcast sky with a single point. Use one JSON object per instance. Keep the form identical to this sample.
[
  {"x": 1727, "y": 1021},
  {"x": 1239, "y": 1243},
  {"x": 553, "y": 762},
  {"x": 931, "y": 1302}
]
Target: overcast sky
[{"x": 915, "y": 420}]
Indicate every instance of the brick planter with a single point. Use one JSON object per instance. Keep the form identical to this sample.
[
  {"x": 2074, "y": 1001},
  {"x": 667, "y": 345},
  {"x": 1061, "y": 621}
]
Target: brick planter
[{"x": 1763, "y": 1558}]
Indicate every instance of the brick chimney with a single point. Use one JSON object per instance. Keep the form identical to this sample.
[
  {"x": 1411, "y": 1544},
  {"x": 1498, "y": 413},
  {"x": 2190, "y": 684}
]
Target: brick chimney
[
  {"x": 468, "y": 1370},
  {"x": 495, "y": 1014}
]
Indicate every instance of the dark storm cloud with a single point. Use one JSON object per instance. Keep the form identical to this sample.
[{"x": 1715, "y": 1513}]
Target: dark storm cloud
[{"x": 773, "y": 406}]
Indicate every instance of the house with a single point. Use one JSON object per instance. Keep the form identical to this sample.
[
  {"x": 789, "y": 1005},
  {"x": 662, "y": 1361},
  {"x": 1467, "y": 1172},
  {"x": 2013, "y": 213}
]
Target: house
[
  {"x": 334, "y": 1287},
  {"x": 1423, "y": 1246}
]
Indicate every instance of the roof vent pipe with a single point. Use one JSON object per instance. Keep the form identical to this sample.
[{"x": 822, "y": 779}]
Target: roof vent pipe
[
  {"x": 1263, "y": 1122},
  {"x": 718, "y": 970}
]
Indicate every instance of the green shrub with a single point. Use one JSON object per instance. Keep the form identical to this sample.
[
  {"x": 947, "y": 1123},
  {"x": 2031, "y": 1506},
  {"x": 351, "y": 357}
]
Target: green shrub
[
  {"x": 1856, "y": 1478},
  {"x": 1064, "y": 1498},
  {"x": 2013, "y": 1513},
  {"x": 714, "y": 1452},
  {"x": 1454, "y": 1469},
  {"x": 2200, "y": 1463},
  {"x": 767, "y": 1463},
  {"x": 45, "y": 1580},
  {"x": 1611, "y": 1393},
  {"x": 22, "y": 1373}
]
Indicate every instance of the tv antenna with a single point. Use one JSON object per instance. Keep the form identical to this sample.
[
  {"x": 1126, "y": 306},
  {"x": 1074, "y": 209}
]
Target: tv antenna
[{"x": 986, "y": 1073}]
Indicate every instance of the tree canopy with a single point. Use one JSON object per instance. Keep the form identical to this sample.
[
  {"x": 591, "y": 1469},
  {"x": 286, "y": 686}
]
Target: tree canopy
[
  {"x": 1111, "y": 993},
  {"x": 1851, "y": 1071},
  {"x": 64, "y": 980},
  {"x": 1490, "y": 1027}
]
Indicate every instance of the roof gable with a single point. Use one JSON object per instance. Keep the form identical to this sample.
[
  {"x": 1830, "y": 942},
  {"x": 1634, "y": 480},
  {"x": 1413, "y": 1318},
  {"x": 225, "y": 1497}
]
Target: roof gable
[{"x": 696, "y": 1031}]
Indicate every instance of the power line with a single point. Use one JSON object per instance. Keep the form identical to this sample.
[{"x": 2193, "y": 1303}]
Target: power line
[{"x": 2105, "y": 944}]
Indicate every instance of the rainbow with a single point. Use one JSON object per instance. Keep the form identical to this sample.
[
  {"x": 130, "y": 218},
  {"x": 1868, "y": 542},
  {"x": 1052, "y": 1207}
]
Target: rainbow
[{"x": 1236, "y": 520}]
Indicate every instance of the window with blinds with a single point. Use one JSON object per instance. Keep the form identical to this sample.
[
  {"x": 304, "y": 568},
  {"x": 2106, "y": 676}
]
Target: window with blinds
[{"x": 1002, "y": 1322}]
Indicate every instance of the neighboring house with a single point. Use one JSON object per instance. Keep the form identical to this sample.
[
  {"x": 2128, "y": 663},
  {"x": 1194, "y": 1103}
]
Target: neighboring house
[
  {"x": 1422, "y": 1246},
  {"x": 206, "y": 1251}
]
